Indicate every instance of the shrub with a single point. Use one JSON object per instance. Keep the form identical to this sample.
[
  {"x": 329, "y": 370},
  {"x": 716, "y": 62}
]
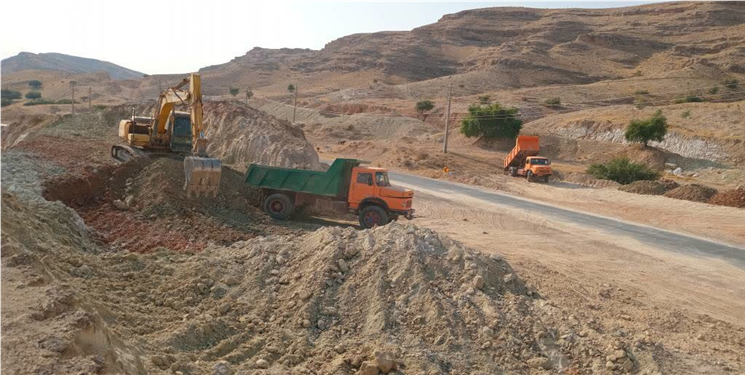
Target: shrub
[
  {"x": 234, "y": 91},
  {"x": 99, "y": 107},
  {"x": 730, "y": 83},
  {"x": 685, "y": 114},
  {"x": 651, "y": 129},
  {"x": 622, "y": 171},
  {"x": 690, "y": 98},
  {"x": 5, "y": 101},
  {"x": 291, "y": 87},
  {"x": 10, "y": 94},
  {"x": 34, "y": 84},
  {"x": 40, "y": 102},
  {"x": 641, "y": 92},
  {"x": 484, "y": 99},
  {"x": 714, "y": 90},
  {"x": 552, "y": 102},
  {"x": 491, "y": 121},
  {"x": 640, "y": 102},
  {"x": 33, "y": 95},
  {"x": 424, "y": 106},
  {"x": 66, "y": 101}
]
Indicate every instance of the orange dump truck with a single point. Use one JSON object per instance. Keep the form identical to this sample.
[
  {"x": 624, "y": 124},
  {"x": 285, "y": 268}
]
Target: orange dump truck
[{"x": 522, "y": 160}]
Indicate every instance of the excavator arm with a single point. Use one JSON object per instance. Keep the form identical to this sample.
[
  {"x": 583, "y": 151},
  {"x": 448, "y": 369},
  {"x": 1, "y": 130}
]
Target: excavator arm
[{"x": 168, "y": 101}]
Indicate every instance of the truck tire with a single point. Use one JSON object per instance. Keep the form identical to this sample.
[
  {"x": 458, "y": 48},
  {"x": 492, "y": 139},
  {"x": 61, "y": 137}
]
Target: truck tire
[
  {"x": 545, "y": 179},
  {"x": 513, "y": 171},
  {"x": 372, "y": 216},
  {"x": 278, "y": 206},
  {"x": 529, "y": 176}
]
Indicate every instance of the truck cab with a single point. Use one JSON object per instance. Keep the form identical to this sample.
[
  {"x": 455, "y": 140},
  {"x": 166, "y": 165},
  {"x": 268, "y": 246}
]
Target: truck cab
[
  {"x": 375, "y": 199},
  {"x": 537, "y": 167}
]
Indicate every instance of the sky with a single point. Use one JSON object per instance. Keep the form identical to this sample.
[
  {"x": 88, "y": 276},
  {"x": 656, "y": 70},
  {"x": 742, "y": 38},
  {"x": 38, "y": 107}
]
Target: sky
[{"x": 167, "y": 36}]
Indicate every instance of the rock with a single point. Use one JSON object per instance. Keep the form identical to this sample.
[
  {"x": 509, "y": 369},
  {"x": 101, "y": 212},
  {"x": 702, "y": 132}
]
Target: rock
[
  {"x": 610, "y": 365},
  {"x": 224, "y": 308},
  {"x": 540, "y": 362},
  {"x": 280, "y": 260},
  {"x": 350, "y": 252},
  {"x": 343, "y": 265},
  {"x": 508, "y": 278},
  {"x": 222, "y": 368},
  {"x": 495, "y": 257},
  {"x": 306, "y": 323},
  {"x": 368, "y": 368},
  {"x": 478, "y": 282},
  {"x": 129, "y": 201},
  {"x": 678, "y": 171},
  {"x": 219, "y": 291},
  {"x": 385, "y": 361},
  {"x": 321, "y": 324},
  {"x": 339, "y": 349},
  {"x": 486, "y": 332},
  {"x": 232, "y": 281},
  {"x": 119, "y": 205},
  {"x": 671, "y": 166},
  {"x": 627, "y": 365},
  {"x": 262, "y": 363}
]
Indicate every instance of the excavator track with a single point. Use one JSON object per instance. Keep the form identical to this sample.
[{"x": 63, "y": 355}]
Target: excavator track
[{"x": 125, "y": 153}]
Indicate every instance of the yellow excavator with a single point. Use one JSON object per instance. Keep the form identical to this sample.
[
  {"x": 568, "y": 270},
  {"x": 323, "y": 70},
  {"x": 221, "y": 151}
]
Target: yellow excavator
[{"x": 174, "y": 132}]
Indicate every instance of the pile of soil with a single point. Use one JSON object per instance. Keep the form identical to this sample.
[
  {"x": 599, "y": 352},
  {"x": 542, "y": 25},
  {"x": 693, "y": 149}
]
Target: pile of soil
[
  {"x": 731, "y": 198},
  {"x": 241, "y": 135},
  {"x": 650, "y": 187},
  {"x": 692, "y": 192},
  {"x": 336, "y": 300}
]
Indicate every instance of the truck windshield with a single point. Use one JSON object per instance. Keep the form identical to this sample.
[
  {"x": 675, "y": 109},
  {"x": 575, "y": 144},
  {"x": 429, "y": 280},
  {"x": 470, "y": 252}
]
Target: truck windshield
[
  {"x": 381, "y": 179},
  {"x": 540, "y": 161}
]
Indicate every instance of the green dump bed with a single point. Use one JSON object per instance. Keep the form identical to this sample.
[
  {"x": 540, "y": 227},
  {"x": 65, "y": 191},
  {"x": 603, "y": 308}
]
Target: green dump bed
[{"x": 332, "y": 183}]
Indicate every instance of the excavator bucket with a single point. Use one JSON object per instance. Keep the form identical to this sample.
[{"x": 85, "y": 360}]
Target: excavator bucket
[{"x": 202, "y": 176}]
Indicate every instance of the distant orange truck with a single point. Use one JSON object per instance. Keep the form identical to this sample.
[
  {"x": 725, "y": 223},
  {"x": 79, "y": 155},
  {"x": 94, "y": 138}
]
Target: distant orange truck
[{"x": 522, "y": 160}]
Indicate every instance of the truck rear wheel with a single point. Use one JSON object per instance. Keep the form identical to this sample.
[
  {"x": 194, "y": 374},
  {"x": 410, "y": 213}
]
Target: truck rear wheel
[
  {"x": 372, "y": 216},
  {"x": 278, "y": 206},
  {"x": 513, "y": 171}
]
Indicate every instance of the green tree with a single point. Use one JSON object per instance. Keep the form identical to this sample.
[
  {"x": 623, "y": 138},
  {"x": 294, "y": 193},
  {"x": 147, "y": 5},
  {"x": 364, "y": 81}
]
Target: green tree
[
  {"x": 33, "y": 95},
  {"x": 34, "y": 84},
  {"x": 424, "y": 106},
  {"x": 491, "y": 121},
  {"x": 623, "y": 171},
  {"x": 291, "y": 87},
  {"x": 234, "y": 91},
  {"x": 249, "y": 93},
  {"x": 5, "y": 101},
  {"x": 651, "y": 129},
  {"x": 10, "y": 94}
]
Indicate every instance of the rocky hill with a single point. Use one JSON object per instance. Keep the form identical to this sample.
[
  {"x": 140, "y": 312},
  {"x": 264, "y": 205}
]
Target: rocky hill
[
  {"x": 65, "y": 63},
  {"x": 516, "y": 47}
]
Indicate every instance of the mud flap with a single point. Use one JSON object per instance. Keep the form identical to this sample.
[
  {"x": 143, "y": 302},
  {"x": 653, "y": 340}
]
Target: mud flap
[{"x": 202, "y": 176}]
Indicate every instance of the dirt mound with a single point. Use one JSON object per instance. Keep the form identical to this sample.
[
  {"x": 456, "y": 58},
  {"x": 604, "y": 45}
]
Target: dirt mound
[
  {"x": 650, "y": 187},
  {"x": 331, "y": 301},
  {"x": 241, "y": 135},
  {"x": 732, "y": 198},
  {"x": 692, "y": 192}
]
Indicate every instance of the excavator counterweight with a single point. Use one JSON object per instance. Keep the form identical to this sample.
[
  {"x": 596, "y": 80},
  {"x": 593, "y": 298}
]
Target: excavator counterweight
[{"x": 170, "y": 132}]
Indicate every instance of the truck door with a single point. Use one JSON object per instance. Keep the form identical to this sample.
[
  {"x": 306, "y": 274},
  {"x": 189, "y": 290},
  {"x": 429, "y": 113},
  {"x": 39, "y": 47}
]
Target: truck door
[{"x": 362, "y": 187}]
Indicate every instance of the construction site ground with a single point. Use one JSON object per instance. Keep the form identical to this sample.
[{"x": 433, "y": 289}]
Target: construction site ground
[{"x": 165, "y": 284}]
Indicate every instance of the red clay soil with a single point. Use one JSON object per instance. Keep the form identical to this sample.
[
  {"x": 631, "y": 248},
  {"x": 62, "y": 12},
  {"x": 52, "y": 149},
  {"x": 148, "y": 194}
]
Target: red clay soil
[
  {"x": 731, "y": 198},
  {"x": 692, "y": 192}
]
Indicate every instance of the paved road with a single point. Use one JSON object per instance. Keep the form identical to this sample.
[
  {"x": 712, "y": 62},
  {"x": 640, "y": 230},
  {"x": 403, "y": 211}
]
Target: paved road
[{"x": 663, "y": 239}]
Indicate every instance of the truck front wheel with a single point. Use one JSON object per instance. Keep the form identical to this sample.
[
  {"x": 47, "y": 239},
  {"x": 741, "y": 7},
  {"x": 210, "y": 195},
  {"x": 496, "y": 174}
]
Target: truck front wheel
[
  {"x": 278, "y": 206},
  {"x": 372, "y": 216},
  {"x": 529, "y": 176}
]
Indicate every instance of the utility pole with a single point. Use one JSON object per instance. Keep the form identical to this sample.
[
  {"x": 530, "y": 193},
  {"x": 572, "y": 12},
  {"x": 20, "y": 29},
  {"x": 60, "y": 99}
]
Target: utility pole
[
  {"x": 246, "y": 97},
  {"x": 72, "y": 83},
  {"x": 90, "y": 93},
  {"x": 447, "y": 121},
  {"x": 294, "y": 106}
]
